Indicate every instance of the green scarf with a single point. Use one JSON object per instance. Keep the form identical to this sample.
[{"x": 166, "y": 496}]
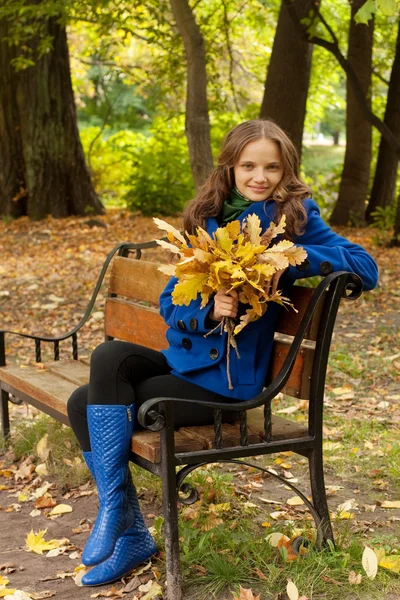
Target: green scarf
[{"x": 234, "y": 206}]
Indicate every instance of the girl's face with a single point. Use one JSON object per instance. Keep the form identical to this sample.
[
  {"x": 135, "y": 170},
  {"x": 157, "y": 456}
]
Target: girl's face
[{"x": 258, "y": 170}]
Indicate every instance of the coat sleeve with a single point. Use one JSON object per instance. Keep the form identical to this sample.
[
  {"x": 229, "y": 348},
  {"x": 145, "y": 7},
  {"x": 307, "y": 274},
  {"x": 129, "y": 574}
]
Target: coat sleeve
[
  {"x": 327, "y": 252},
  {"x": 185, "y": 318}
]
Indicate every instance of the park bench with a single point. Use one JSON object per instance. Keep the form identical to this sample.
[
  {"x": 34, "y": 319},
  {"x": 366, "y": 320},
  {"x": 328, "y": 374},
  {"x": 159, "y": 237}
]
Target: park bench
[{"x": 298, "y": 369}]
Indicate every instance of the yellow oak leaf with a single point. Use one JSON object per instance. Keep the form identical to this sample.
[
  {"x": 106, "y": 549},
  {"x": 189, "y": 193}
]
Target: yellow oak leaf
[
  {"x": 233, "y": 229},
  {"x": 223, "y": 238},
  {"x": 35, "y": 542},
  {"x": 187, "y": 290},
  {"x": 167, "y": 227},
  {"x": 273, "y": 230},
  {"x": 167, "y": 269},
  {"x": 252, "y": 229},
  {"x": 296, "y": 255},
  {"x": 202, "y": 255},
  {"x": 167, "y": 246}
]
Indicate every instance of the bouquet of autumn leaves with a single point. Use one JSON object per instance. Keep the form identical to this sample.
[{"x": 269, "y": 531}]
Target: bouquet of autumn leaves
[{"x": 233, "y": 259}]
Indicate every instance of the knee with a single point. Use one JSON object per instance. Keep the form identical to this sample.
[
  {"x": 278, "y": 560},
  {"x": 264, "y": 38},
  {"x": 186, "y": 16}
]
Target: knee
[
  {"x": 77, "y": 403},
  {"x": 102, "y": 356}
]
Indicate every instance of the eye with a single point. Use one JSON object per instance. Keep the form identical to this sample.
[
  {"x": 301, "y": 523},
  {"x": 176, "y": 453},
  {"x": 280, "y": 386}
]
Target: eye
[
  {"x": 273, "y": 167},
  {"x": 247, "y": 166}
]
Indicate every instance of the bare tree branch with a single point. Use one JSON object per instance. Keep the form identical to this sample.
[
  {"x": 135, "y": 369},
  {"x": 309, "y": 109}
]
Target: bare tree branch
[
  {"x": 230, "y": 53},
  {"x": 333, "y": 48}
]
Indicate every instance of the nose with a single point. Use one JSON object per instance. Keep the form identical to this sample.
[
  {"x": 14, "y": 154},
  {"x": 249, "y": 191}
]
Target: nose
[{"x": 259, "y": 176}]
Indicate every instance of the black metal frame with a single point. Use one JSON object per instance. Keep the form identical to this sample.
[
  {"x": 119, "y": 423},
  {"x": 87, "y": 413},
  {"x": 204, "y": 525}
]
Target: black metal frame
[{"x": 157, "y": 414}]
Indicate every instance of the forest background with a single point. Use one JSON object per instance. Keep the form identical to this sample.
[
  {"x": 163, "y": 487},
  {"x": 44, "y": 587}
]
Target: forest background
[{"x": 96, "y": 97}]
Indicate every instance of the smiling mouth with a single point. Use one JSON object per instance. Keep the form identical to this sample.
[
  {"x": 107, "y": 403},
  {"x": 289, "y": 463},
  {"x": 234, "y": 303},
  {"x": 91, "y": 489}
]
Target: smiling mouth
[{"x": 258, "y": 189}]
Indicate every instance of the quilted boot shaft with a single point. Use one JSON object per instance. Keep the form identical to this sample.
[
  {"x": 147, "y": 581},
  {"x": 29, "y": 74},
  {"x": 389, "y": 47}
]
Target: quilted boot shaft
[
  {"x": 110, "y": 430},
  {"x": 133, "y": 547},
  {"x": 89, "y": 462}
]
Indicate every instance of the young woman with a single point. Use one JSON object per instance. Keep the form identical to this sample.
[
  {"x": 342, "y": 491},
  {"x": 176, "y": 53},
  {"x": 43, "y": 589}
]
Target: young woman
[{"x": 257, "y": 172}]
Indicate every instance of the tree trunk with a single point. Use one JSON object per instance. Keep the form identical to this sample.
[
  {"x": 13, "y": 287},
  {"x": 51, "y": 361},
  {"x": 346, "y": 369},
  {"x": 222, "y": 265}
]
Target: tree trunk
[
  {"x": 197, "y": 118},
  {"x": 396, "y": 235},
  {"x": 42, "y": 165},
  {"x": 353, "y": 190},
  {"x": 288, "y": 75},
  {"x": 383, "y": 188}
]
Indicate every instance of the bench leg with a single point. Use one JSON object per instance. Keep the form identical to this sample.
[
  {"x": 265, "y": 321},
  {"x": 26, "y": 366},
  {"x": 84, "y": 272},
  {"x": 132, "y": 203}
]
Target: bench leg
[
  {"x": 171, "y": 532},
  {"x": 5, "y": 418},
  {"x": 319, "y": 495}
]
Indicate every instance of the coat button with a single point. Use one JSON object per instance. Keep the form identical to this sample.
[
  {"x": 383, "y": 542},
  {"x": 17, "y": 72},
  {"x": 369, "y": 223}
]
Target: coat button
[
  {"x": 305, "y": 265},
  {"x": 214, "y": 353},
  {"x": 326, "y": 267},
  {"x": 186, "y": 343},
  {"x": 181, "y": 325},
  {"x": 193, "y": 324}
]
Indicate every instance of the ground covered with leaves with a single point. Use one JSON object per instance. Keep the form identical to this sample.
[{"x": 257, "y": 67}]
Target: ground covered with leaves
[{"x": 48, "y": 271}]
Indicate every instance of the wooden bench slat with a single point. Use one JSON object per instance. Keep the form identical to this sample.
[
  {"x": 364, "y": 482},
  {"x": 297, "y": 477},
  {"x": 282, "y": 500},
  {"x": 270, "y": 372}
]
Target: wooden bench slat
[
  {"x": 147, "y": 443},
  {"x": 298, "y": 384},
  {"x": 138, "y": 279},
  {"x": 40, "y": 384},
  {"x": 74, "y": 371},
  {"x": 289, "y": 319},
  {"x": 127, "y": 321}
]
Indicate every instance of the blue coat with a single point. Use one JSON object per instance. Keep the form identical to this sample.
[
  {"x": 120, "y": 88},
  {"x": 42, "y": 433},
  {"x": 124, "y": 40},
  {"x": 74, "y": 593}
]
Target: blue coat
[{"x": 202, "y": 360}]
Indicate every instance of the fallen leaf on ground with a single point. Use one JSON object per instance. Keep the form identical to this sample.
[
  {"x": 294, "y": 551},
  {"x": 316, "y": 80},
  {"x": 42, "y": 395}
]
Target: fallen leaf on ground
[
  {"x": 45, "y": 502},
  {"x": 35, "y": 542},
  {"x": 370, "y": 562},
  {"x": 155, "y": 591},
  {"x": 292, "y": 591},
  {"x": 17, "y": 595},
  {"x": 246, "y": 595},
  {"x": 274, "y": 538},
  {"x": 354, "y": 578},
  {"x": 42, "y": 448},
  {"x": 60, "y": 509},
  {"x": 295, "y": 501},
  {"x": 390, "y": 504},
  {"x": 41, "y": 470}
]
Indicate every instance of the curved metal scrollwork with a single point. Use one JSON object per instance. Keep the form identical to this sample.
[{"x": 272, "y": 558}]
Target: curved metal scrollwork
[
  {"x": 185, "y": 488},
  {"x": 353, "y": 288},
  {"x": 157, "y": 420}
]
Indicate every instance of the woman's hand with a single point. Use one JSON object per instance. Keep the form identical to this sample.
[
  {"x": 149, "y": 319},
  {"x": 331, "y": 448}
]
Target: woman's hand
[{"x": 225, "y": 305}]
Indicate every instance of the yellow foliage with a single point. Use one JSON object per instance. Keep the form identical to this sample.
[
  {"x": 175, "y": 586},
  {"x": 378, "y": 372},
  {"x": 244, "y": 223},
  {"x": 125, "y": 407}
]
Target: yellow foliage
[
  {"x": 36, "y": 542},
  {"x": 231, "y": 260}
]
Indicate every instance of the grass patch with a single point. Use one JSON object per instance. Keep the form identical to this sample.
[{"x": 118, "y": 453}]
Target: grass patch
[
  {"x": 236, "y": 553},
  {"x": 65, "y": 461}
]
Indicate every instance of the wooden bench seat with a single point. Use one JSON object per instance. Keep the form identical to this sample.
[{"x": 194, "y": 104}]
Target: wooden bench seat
[{"x": 48, "y": 389}]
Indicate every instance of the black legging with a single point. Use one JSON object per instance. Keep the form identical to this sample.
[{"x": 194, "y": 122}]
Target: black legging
[{"x": 124, "y": 373}]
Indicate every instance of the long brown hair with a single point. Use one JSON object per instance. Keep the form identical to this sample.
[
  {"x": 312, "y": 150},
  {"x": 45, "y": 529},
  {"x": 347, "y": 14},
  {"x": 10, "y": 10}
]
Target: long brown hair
[{"x": 288, "y": 196}]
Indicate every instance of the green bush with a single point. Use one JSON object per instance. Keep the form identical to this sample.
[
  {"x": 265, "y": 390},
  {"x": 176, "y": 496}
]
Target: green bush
[
  {"x": 159, "y": 178},
  {"x": 108, "y": 161}
]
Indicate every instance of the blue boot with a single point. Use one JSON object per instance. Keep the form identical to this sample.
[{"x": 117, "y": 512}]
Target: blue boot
[
  {"x": 89, "y": 462},
  {"x": 110, "y": 430},
  {"x": 133, "y": 547}
]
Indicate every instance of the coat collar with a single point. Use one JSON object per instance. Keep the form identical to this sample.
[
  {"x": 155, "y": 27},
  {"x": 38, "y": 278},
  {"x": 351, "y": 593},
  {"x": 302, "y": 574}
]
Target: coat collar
[{"x": 264, "y": 210}]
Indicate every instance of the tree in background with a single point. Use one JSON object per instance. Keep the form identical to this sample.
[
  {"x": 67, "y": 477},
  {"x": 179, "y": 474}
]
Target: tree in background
[
  {"x": 288, "y": 75},
  {"x": 383, "y": 188},
  {"x": 353, "y": 190},
  {"x": 42, "y": 166},
  {"x": 197, "y": 118}
]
